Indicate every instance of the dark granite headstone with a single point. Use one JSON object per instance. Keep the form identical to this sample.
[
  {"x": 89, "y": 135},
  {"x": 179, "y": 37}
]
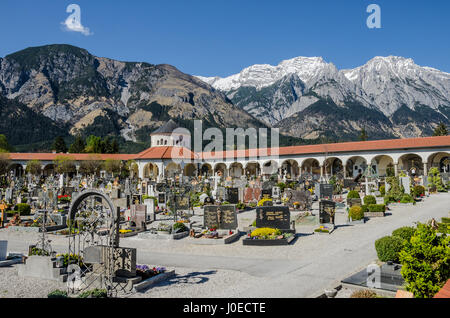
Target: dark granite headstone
[
  {"x": 162, "y": 197},
  {"x": 233, "y": 195},
  {"x": 327, "y": 211},
  {"x": 182, "y": 202},
  {"x": 277, "y": 217},
  {"x": 267, "y": 193},
  {"x": 222, "y": 216}
]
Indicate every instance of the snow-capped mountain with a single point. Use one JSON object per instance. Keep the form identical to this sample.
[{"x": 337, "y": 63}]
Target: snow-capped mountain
[{"x": 393, "y": 89}]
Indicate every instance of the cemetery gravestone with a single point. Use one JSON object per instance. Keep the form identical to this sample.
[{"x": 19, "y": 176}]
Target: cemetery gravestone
[
  {"x": 223, "y": 217},
  {"x": 327, "y": 211},
  {"x": 233, "y": 195},
  {"x": 139, "y": 216},
  {"x": 276, "y": 192},
  {"x": 406, "y": 183},
  {"x": 277, "y": 217}
]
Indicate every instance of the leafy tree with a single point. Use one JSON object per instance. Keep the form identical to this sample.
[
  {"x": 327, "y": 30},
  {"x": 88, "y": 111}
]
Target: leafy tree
[
  {"x": 426, "y": 261},
  {"x": 78, "y": 145},
  {"x": 440, "y": 130},
  {"x": 59, "y": 145},
  {"x": 91, "y": 166},
  {"x": 5, "y": 161},
  {"x": 4, "y": 145},
  {"x": 434, "y": 178},
  {"x": 64, "y": 164},
  {"x": 112, "y": 166},
  {"x": 94, "y": 144},
  {"x": 363, "y": 135},
  {"x": 34, "y": 167}
]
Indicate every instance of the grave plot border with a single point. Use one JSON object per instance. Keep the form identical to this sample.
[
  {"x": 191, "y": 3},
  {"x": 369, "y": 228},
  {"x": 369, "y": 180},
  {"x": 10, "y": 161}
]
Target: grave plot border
[{"x": 277, "y": 242}]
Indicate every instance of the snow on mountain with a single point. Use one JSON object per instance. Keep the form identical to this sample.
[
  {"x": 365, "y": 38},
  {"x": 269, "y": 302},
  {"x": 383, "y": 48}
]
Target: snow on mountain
[{"x": 390, "y": 82}]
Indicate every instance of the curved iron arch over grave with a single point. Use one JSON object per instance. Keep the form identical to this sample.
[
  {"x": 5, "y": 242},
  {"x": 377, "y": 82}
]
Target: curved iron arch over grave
[{"x": 87, "y": 193}]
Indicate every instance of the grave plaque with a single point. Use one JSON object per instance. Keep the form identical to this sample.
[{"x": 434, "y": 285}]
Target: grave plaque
[
  {"x": 324, "y": 190},
  {"x": 277, "y": 217},
  {"x": 406, "y": 183},
  {"x": 276, "y": 192},
  {"x": 161, "y": 198},
  {"x": 349, "y": 183},
  {"x": 182, "y": 202},
  {"x": 233, "y": 195},
  {"x": 222, "y": 216},
  {"x": 138, "y": 215},
  {"x": 267, "y": 193},
  {"x": 327, "y": 210}
]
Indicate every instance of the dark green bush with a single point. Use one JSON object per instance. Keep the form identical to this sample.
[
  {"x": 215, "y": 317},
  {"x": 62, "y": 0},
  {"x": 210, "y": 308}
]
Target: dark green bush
[
  {"x": 365, "y": 208},
  {"x": 388, "y": 248},
  {"x": 382, "y": 190},
  {"x": 406, "y": 198},
  {"x": 356, "y": 213},
  {"x": 405, "y": 232},
  {"x": 377, "y": 208},
  {"x": 445, "y": 220},
  {"x": 353, "y": 195},
  {"x": 425, "y": 261},
  {"x": 180, "y": 226},
  {"x": 370, "y": 199},
  {"x": 389, "y": 199},
  {"x": 418, "y": 191},
  {"x": 23, "y": 209},
  {"x": 57, "y": 294}
]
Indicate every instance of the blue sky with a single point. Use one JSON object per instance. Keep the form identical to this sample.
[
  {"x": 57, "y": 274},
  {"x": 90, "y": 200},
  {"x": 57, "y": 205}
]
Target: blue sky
[{"x": 218, "y": 37}]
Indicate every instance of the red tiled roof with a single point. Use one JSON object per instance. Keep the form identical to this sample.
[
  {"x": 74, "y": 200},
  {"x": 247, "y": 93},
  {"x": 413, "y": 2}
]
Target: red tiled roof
[
  {"x": 444, "y": 292},
  {"x": 166, "y": 152},
  {"x": 425, "y": 142},
  {"x": 173, "y": 152},
  {"x": 74, "y": 156}
]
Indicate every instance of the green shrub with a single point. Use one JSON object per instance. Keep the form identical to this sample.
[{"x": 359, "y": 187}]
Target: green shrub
[
  {"x": 395, "y": 191},
  {"x": 389, "y": 199},
  {"x": 57, "y": 294},
  {"x": 377, "y": 208},
  {"x": 180, "y": 226},
  {"x": 434, "y": 178},
  {"x": 425, "y": 261},
  {"x": 364, "y": 208},
  {"x": 353, "y": 195},
  {"x": 406, "y": 198},
  {"x": 281, "y": 185},
  {"x": 23, "y": 209},
  {"x": 370, "y": 199},
  {"x": 356, "y": 213},
  {"x": 95, "y": 293},
  {"x": 382, "y": 190},
  {"x": 405, "y": 232},
  {"x": 445, "y": 220},
  {"x": 388, "y": 248},
  {"x": 418, "y": 191}
]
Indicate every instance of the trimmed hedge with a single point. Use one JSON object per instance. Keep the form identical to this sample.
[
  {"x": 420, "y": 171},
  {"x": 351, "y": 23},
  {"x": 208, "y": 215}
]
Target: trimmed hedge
[
  {"x": 353, "y": 195},
  {"x": 23, "y": 209},
  {"x": 405, "y": 232},
  {"x": 377, "y": 208},
  {"x": 364, "y": 208},
  {"x": 356, "y": 213},
  {"x": 388, "y": 248},
  {"x": 370, "y": 199}
]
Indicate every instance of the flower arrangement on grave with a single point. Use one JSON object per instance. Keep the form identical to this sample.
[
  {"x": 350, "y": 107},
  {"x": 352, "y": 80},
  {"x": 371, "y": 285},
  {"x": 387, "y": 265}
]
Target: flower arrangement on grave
[
  {"x": 64, "y": 198},
  {"x": 163, "y": 227},
  {"x": 179, "y": 227},
  {"x": 146, "y": 271},
  {"x": 211, "y": 233},
  {"x": 296, "y": 204},
  {"x": 38, "y": 251},
  {"x": 261, "y": 202},
  {"x": 266, "y": 233},
  {"x": 240, "y": 206},
  {"x": 322, "y": 229},
  {"x": 123, "y": 231},
  {"x": 72, "y": 258}
]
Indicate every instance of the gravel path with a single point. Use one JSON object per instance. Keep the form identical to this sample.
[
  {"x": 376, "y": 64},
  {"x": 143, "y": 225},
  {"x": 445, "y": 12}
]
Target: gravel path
[{"x": 315, "y": 262}]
